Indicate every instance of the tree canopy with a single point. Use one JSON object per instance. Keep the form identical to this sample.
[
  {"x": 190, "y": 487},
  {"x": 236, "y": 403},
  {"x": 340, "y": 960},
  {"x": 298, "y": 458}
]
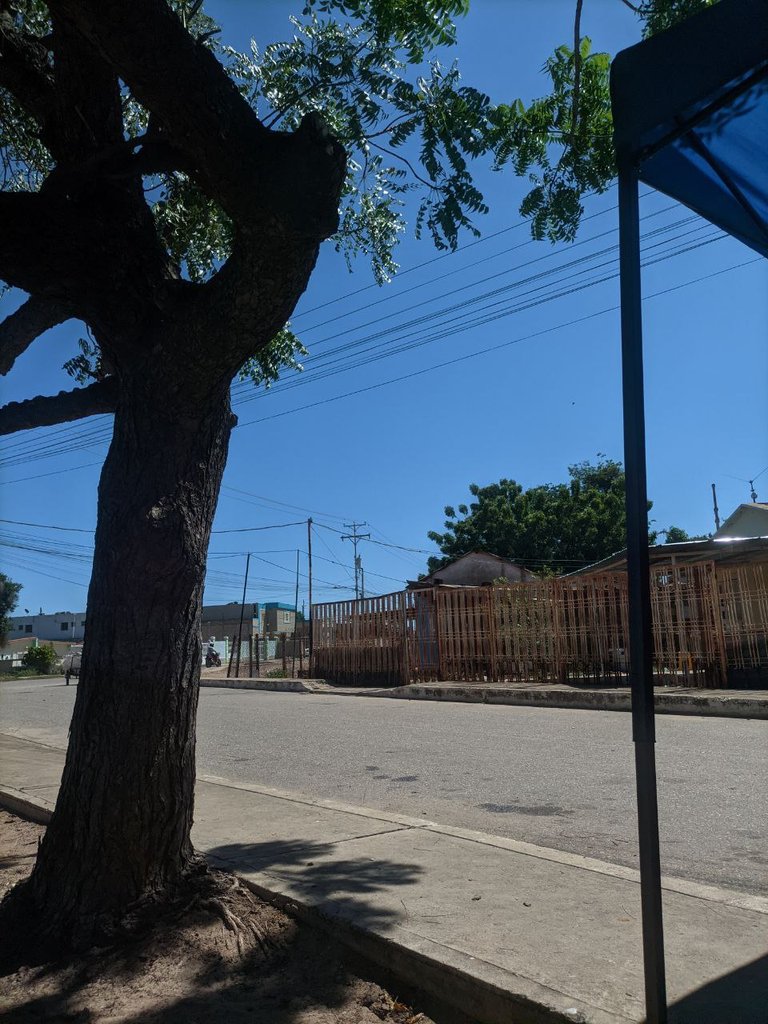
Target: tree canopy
[
  {"x": 408, "y": 124},
  {"x": 9, "y": 598},
  {"x": 551, "y": 528}
]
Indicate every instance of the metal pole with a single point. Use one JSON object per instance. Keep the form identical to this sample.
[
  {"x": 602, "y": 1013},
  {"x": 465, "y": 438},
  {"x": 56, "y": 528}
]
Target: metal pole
[
  {"x": 310, "y": 666},
  {"x": 717, "y": 510},
  {"x": 638, "y": 572},
  {"x": 242, "y": 613}
]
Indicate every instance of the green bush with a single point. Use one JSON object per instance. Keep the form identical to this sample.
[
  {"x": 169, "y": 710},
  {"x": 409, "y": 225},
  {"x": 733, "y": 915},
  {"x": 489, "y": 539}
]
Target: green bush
[{"x": 41, "y": 659}]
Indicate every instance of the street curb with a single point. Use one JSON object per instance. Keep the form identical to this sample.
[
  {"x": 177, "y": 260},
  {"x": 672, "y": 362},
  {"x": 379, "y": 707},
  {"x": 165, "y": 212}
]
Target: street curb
[
  {"x": 279, "y": 685},
  {"x": 585, "y": 700},
  {"x": 582, "y": 700},
  {"x": 467, "y": 984},
  {"x": 481, "y": 993},
  {"x": 33, "y": 808}
]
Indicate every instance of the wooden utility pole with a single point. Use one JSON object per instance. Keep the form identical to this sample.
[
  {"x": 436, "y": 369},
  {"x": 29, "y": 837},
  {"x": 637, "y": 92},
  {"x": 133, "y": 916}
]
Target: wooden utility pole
[
  {"x": 309, "y": 572},
  {"x": 295, "y": 617},
  {"x": 242, "y": 613},
  {"x": 355, "y": 537}
]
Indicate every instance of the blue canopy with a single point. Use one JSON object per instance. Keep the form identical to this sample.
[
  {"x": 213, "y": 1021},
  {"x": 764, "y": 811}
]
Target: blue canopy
[{"x": 690, "y": 109}]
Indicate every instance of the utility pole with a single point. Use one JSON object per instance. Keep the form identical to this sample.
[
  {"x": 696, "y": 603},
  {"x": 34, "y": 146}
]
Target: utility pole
[
  {"x": 717, "y": 510},
  {"x": 242, "y": 613},
  {"x": 309, "y": 572},
  {"x": 355, "y": 537},
  {"x": 295, "y": 617}
]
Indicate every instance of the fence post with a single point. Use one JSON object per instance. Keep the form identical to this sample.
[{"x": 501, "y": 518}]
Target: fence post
[
  {"x": 283, "y": 645},
  {"x": 231, "y": 656},
  {"x": 405, "y": 673},
  {"x": 250, "y": 655},
  {"x": 492, "y": 644}
]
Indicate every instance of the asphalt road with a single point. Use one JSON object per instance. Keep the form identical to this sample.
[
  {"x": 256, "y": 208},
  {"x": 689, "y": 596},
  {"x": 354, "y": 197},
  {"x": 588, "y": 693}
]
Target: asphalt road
[{"x": 558, "y": 778}]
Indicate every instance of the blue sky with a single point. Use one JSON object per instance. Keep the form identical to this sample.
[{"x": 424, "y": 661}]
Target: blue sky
[{"x": 394, "y": 455}]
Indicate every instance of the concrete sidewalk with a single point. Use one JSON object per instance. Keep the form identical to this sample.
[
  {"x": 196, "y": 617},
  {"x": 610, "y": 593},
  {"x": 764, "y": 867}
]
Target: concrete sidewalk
[
  {"x": 671, "y": 700},
  {"x": 504, "y": 930}
]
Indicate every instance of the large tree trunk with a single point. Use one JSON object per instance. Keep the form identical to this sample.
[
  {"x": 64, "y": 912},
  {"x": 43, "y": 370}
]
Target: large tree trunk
[{"x": 121, "y": 828}]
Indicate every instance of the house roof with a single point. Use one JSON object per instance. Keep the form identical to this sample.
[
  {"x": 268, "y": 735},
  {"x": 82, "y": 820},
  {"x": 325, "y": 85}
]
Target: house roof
[
  {"x": 716, "y": 549},
  {"x": 743, "y": 509},
  {"x": 469, "y": 554}
]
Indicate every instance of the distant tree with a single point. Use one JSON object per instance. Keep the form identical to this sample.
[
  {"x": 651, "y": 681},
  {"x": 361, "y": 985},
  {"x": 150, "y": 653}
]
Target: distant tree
[
  {"x": 41, "y": 659},
  {"x": 676, "y": 535},
  {"x": 9, "y": 598},
  {"x": 549, "y": 528}
]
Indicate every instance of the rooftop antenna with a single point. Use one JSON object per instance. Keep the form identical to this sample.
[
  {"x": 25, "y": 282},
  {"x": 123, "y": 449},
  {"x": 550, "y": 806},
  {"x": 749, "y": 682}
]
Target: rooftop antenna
[{"x": 717, "y": 510}]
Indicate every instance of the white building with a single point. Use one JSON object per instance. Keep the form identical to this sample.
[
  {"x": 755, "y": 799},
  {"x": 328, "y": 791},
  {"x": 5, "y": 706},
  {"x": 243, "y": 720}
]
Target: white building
[{"x": 59, "y": 626}]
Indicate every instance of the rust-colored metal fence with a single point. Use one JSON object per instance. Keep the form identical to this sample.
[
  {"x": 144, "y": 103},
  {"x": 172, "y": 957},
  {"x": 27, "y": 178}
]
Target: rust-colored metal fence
[{"x": 706, "y": 620}]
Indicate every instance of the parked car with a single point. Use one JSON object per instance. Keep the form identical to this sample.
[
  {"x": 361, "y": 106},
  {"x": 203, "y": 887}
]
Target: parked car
[{"x": 70, "y": 664}]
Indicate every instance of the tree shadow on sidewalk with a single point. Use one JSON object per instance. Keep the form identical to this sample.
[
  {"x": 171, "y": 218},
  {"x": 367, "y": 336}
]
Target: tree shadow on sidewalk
[
  {"x": 198, "y": 967},
  {"x": 308, "y": 870},
  {"x": 739, "y": 997}
]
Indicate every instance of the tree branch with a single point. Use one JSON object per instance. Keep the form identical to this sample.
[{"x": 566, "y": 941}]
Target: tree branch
[
  {"x": 251, "y": 171},
  {"x": 58, "y": 249},
  {"x": 19, "y": 330},
  {"x": 576, "y": 70},
  {"x": 25, "y": 74},
  {"x": 89, "y": 113},
  {"x": 62, "y": 408}
]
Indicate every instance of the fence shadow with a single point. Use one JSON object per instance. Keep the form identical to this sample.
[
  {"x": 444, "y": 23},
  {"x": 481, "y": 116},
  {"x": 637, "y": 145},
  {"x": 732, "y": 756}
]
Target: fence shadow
[{"x": 739, "y": 997}]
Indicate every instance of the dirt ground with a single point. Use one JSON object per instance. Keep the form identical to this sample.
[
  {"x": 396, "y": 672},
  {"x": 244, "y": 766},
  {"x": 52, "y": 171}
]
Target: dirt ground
[{"x": 226, "y": 959}]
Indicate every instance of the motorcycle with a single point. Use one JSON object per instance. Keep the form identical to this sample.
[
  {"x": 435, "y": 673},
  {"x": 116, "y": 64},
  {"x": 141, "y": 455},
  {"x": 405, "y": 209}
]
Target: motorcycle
[{"x": 212, "y": 658}]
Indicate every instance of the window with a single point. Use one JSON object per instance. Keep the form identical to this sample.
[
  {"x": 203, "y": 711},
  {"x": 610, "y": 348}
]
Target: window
[
  {"x": 64, "y": 627},
  {"x": 82, "y": 622},
  {"x": 28, "y": 629},
  {"x": 286, "y": 617}
]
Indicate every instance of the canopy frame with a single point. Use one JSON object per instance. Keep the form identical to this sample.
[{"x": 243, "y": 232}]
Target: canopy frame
[{"x": 664, "y": 91}]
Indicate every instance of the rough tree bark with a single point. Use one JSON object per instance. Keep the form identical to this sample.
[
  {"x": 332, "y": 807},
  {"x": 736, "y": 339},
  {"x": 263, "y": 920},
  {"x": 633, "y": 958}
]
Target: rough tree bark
[
  {"x": 122, "y": 822},
  {"x": 86, "y": 247}
]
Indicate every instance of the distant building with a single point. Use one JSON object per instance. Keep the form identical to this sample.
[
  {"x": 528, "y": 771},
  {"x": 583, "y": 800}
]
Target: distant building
[
  {"x": 223, "y": 620},
  {"x": 58, "y": 626},
  {"x": 476, "y": 569},
  {"x": 279, "y": 617},
  {"x": 749, "y": 520}
]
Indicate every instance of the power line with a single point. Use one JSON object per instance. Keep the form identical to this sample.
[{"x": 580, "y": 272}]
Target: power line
[
  {"x": 491, "y": 348},
  {"x": 87, "y": 435},
  {"x": 86, "y": 439}
]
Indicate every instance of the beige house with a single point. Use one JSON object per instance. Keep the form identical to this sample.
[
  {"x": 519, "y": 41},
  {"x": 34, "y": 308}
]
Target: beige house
[
  {"x": 749, "y": 520},
  {"x": 476, "y": 569}
]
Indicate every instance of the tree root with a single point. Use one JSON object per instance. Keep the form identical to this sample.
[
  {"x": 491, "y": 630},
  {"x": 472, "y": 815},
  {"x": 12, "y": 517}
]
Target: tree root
[{"x": 245, "y": 930}]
